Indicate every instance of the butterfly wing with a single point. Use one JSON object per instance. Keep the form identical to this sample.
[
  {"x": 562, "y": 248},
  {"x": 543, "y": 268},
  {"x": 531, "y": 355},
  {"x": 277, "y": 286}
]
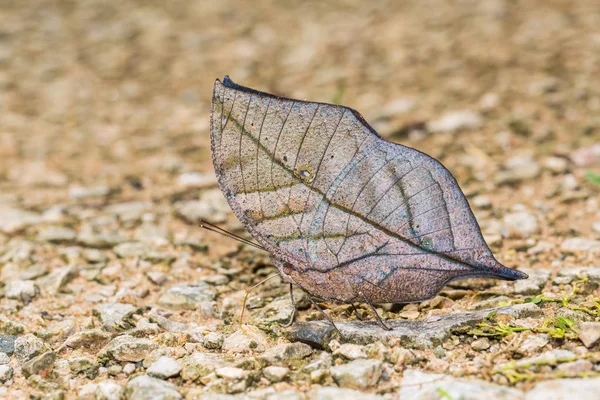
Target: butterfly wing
[{"x": 317, "y": 186}]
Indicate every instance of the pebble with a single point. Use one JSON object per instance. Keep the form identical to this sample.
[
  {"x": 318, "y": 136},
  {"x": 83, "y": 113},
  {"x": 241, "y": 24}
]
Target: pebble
[
  {"x": 275, "y": 374},
  {"x": 6, "y": 373},
  {"x": 559, "y": 389},
  {"x": 213, "y": 340},
  {"x": 164, "y": 367},
  {"x": 52, "y": 283},
  {"x": 533, "y": 343},
  {"x": 315, "y": 334},
  {"x": 145, "y": 387},
  {"x": 517, "y": 169},
  {"x": 84, "y": 365},
  {"x": 198, "y": 180},
  {"x": 586, "y": 156},
  {"x": 21, "y": 290},
  {"x": 39, "y": 365},
  {"x": 351, "y": 351},
  {"x": 92, "y": 338},
  {"x": 576, "y": 367},
  {"x": 81, "y": 192},
  {"x": 278, "y": 311},
  {"x": 286, "y": 353},
  {"x": 246, "y": 339},
  {"x": 131, "y": 211},
  {"x": 357, "y": 374},
  {"x": 521, "y": 225},
  {"x": 193, "y": 211},
  {"x": 4, "y": 358},
  {"x": 421, "y": 385},
  {"x": 455, "y": 121},
  {"x": 556, "y": 165},
  {"x": 13, "y": 219},
  {"x": 129, "y": 368},
  {"x": 549, "y": 357},
  {"x": 589, "y": 333},
  {"x": 116, "y": 316},
  {"x": 109, "y": 390},
  {"x": 57, "y": 234},
  {"x": 579, "y": 244},
  {"x": 535, "y": 284},
  {"x": 231, "y": 373},
  {"x": 28, "y": 346},
  {"x": 128, "y": 348},
  {"x": 480, "y": 344},
  {"x": 186, "y": 297},
  {"x": 198, "y": 365}
]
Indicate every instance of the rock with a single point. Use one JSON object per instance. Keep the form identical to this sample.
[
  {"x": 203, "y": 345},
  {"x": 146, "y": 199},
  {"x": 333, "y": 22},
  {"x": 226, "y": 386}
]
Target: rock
[
  {"x": 428, "y": 332},
  {"x": 455, "y": 121},
  {"x": 521, "y": 225},
  {"x": 34, "y": 271},
  {"x": 420, "y": 385},
  {"x": 52, "y": 284},
  {"x": 578, "y": 244},
  {"x": 194, "y": 211},
  {"x": 79, "y": 192},
  {"x": 132, "y": 249},
  {"x": 317, "y": 335},
  {"x": 199, "y": 180},
  {"x": 558, "y": 389},
  {"x": 278, "y": 311},
  {"x": 358, "y": 374},
  {"x": 186, "y": 297},
  {"x": 57, "y": 234},
  {"x": 213, "y": 340},
  {"x": 536, "y": 282},
  {"x": 482, "y": 202},
  {"x": 6, "y": 373},
  {"x": 130, "y": 211},
  {"x": 586, "y": 156},
  {"x": 87, "y": 392},
  {"x": 128, "y": 348},
  {"x": 84, "y": 365},
  {"x": 116, "y": 316},
  {"x": 145, "y": 387},
  {"x": 93, "y": 338},
  {"x": 164, "y": 367},
  {"x": 480, "y": 344},
  {"x": 39, "y": 365},
  {"x": 333, "y": 393},
  {"x": 198, "y": 365},
  {"x": 21, "y": 290},
  {"x": 517, "y": 169},
  {"x": 4, "y": 358},
  {"x": 28, "y": 346},
  {"x": 94, "y": 256},
  {"x": 109, "y": 390},
  {"x": 589, "y": 333},
  {"x": 106, "y": 239},
  {"x": 533, "y": 343},
  {"x": 275, "y": 374},
  {"x": 576, "y": 367},
  {"x": 13, "y": 219},
  {"x": 351, "y": 351},
  {"x": 248, "y": 338},
  {"x": 551, "y": 357},
  {"x": 556, "y": 165},
  {"x": 7, "y": 344},
  {"x": 231, "y": 373},
  {"x": 286, "y": 353}
]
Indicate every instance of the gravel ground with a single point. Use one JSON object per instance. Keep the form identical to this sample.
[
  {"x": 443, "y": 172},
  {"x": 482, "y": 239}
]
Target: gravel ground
[{"x": 110, "y": 290}]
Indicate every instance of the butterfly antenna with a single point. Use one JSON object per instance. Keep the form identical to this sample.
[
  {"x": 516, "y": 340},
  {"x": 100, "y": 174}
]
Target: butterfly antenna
[
  {"x": 213, "y": 228},
  {"x": 250, "y": 291}
]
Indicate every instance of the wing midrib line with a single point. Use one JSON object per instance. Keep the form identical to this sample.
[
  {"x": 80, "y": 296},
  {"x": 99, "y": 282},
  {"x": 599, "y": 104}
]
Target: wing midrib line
[{"x": 340, "y": 206}]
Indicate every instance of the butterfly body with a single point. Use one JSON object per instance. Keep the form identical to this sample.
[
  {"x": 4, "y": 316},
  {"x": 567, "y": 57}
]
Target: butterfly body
[{"x": 346, "y": 215}]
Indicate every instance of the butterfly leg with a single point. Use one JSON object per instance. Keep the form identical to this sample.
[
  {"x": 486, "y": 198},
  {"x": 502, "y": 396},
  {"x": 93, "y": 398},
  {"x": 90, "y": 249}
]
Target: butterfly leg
[
  {"x": 314, "y": 303},
  {"x": 379, "y": 320},
  {"x": 293, "y": 312}
]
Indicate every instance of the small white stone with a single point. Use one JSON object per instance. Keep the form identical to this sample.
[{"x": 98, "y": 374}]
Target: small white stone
[
  {"x": 275, "y": 374},
  {"x": 164, "y": 367},
  {"x": 129, "y": 368},
  {"x": 231, "y": 373}
]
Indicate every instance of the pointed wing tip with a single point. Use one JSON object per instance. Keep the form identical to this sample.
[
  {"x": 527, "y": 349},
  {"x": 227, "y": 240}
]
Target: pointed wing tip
[{"x": 511, "y": 274}]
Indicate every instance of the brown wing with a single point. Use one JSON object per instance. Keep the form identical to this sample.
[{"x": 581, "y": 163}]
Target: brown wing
[{"x": 317, "y": 186}]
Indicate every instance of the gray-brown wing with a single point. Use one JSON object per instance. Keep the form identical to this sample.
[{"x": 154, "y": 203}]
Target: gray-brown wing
[{"x": 316, "y": 186}]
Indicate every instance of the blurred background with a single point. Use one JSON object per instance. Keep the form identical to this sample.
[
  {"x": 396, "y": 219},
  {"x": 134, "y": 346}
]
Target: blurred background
[{"x": 116, "y": 94}]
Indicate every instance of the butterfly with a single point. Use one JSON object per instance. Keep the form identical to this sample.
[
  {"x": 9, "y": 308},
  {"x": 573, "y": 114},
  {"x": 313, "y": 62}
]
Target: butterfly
[{"x": 345, "y": 215}]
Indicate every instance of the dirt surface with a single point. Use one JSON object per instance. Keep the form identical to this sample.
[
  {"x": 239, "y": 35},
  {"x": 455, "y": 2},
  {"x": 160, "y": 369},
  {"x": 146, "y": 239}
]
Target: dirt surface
[{"x": 105, "y": 170}]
